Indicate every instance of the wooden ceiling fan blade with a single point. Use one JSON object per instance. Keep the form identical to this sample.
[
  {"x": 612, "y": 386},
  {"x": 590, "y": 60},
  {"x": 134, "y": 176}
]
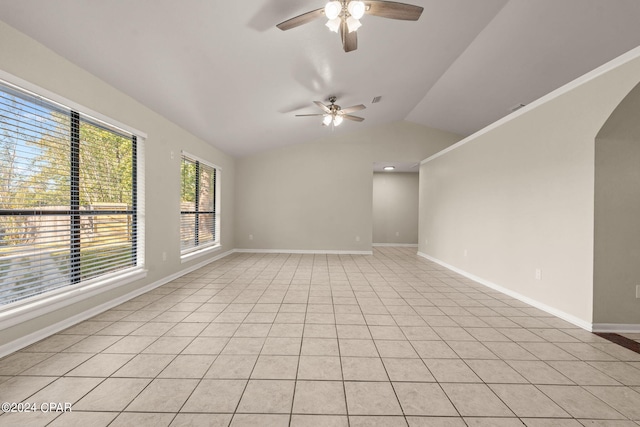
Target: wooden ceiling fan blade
[
  {"x": 305, "y": 18},
  {"x": 322, "y": 107},
  {"x": 349, "y": 39},
  {"x": 354, "y": 118},
  {"x": 393, "y": 10},
  {"x": 353, "y": 108}
]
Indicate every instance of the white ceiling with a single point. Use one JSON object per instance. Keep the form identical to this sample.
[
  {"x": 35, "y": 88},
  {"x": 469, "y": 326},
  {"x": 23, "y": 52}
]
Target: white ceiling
[{"x": 222, "y": 70}]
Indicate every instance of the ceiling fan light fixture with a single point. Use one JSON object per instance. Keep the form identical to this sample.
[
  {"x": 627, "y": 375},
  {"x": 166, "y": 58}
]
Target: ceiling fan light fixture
[
  {"x": 333, "y": 115},
  {"x": 356, "y": 9},
  {"x": 353, "y": 24},
  {"x": 334, "y": 24},
  {"x": 349, "y": 13},
  {"x": 332, "y": 9}
]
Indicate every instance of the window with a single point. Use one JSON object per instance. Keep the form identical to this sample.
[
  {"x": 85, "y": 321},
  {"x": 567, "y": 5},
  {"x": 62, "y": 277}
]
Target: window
[
  {"x": 198, "y": 204},
  {"x": 68, "y": 197}
]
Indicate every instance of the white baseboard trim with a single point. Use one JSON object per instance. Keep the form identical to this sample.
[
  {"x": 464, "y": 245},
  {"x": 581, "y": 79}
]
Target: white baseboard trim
[
  {"x": 36, "y": 336},
  {"x": 617, "y": 328},
  {"x": 302, "y": 251},
  {"x": 537, "y": 304},
  {"x": 399, "y": 245}
]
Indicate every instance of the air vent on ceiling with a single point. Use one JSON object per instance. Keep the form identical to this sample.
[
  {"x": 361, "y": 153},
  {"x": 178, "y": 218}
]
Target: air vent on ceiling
[
  {"x": 376, "y": 99},
  {"x": 516, "y": 107}
]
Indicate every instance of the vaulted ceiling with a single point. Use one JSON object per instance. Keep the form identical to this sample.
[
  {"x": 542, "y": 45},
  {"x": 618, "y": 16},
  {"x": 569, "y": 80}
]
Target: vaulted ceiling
[{"x": 223, "y": 71}]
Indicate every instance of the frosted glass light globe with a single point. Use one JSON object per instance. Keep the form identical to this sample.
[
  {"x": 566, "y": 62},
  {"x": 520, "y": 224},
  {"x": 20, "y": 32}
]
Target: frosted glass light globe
[
  {"x": 334, "y": 24},
  {"x": 356, "y": 9},
  {"x": 353, "y": 24},
  {"x": 332, "y": 9}
]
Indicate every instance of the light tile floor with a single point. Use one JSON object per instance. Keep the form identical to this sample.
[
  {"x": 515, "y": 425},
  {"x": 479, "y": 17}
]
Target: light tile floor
[{"x": 324, "y": 340}]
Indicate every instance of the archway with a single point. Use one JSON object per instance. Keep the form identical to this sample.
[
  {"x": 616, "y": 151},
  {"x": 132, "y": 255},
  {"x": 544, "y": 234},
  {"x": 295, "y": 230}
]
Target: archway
[{"x": 616, "y": 278}]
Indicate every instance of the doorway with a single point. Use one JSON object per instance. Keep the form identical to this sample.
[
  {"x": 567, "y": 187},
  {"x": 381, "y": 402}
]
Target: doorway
[{"x": 395, "y": 204}]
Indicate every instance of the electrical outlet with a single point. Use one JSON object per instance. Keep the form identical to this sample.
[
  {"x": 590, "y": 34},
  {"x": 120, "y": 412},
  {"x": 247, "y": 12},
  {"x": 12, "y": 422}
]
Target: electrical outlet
[
  {"x": 637, "y": 291},
  {"x": 397, "y": 233},
  {"x": 357, "y": 238},
  {"x": 164, "y": 256},
  {"x": 250, "y": 236},
  {"x": 538, "y": 274},
  {"x": 172, "y": 155},
  {"x": 466, "y": 252}
]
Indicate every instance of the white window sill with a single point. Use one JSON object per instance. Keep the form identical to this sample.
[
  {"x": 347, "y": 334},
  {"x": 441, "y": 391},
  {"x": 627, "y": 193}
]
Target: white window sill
[
  {"x": 30, "y": 308},
  {"x": 207, "y": 250}
]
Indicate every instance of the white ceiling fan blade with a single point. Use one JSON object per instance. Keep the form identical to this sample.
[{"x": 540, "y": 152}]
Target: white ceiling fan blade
[
  {"x": 353, "y": 118},
  {"x": 353, "y": 108},
  {"x": 322, "y": 106}
]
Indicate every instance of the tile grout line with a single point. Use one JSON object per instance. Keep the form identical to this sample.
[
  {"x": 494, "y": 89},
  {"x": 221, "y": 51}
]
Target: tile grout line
[
  {"x": 304, "y": 323},
  {"x": 333, "y": 307}
]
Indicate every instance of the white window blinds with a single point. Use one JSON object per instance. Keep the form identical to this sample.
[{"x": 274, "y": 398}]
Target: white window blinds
[
  {"x": 67, "y": 197},
  {"x": 198, "y": 201}
]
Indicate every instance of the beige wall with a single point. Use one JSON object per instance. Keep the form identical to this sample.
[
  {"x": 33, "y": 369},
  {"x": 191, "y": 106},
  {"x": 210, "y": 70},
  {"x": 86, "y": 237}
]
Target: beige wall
[
  {"x": 317, "y": 196},
  {"x": 395, "y": 208},
  {"x": 519, "y": 196},
  {"x": 30, "y": 61},
  {"x": 617, "y": 215}
]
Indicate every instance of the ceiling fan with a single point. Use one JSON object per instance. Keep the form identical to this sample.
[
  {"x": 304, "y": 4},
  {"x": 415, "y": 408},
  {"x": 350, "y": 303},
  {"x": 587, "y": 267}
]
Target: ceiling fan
[
  {"x": 344, "y": 16},
  {"x": 333, "y": 114}
]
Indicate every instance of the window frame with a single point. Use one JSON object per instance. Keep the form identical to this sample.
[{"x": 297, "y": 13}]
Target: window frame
[
  {"x": 37, "y": 305},
  {"x": 204, "y": 248}
]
